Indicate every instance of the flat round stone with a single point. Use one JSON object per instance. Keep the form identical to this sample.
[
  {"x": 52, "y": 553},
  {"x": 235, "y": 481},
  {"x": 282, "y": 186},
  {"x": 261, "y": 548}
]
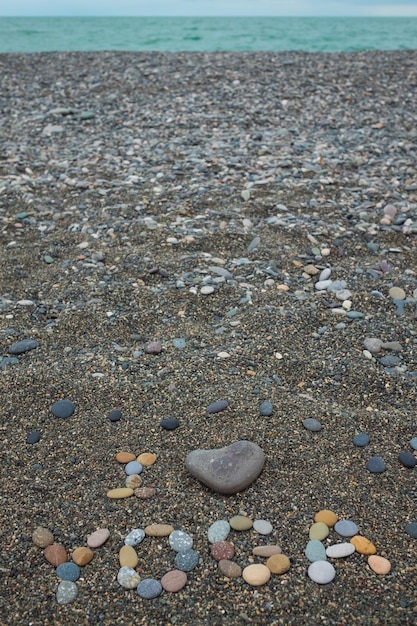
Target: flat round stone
[
  {"x": 278, "y": 563},
  {"x": 133, "y": 481},
  {"x": 180, "y": 541},
  {"x": 266, "y": 408},
  {"x": 174, "y": 580},
  {"x": 149, "y": 588},
  {"x": 376, "y": 465},
  {"x": 407, "y": 459},
  {"x": 222, "y": 550},
  {"x": 256, "y": 574},
  {"x": 413, "y": 443},
  {"x": 82, "y": 556},
  {"x": 311, "y": 424},
  {"x": 171, "y": 423},
  {"x": 146, "y": 459},
  {"x": 55, "y": 554},
  {"x": 396, "y": 293},
  {"x": 373, "y": 344},
  {"x": 326, "y": 517},
  {"x": 346, "y": 528},
  {"x": 133, "y": 467},
  {"x": 98, "y": 538},
  {"x": 321, "y": 572},
  {"x": 379, "y": 564},
  {"x": 128, "y": 556},
  {"x": 135, "y": 537},
  {"x": 230, "y": 569},
  {"x": 125, "y": 457},
  {"x": 153, "y": 347},
  {"x": 115, "y": 415},
  {"x": 68, "y": 571},
  {"x": 33, "y": 437},
  {"x": 206, "y": 290},
  {"x": 262, "y": 526},
  {"x": 128, "y": 578},
  {"x": 240, "y": 522},
  {"x": 363, "y": 545},
  {"x": 63, "y": 408},
  {"x": 340, "y": 550},
  {"x": 361, "y": 440},
  {"x": 67, "y": 592},
  {"x": 218, "y": 531},
  {"x": 411, "y": 529},
  {"x": 187, "y": 560},
  {"x": 315, "y": 551},
  {"x": 121, "y": 492},
  {"x": 19, "y": 347},
  {"x": 266, "y": 551},
  {"x": 159, "y": 530},
  {"x": 42, "y": 537},
  {"x": 319, "y": 531},
  {"x": 216, "y": 407}
]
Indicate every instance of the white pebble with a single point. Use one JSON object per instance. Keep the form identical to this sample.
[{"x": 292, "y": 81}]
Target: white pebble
[
  {"x": 321, "y": 572},
  {"x": 206, "y": 290},
  {"x": 340, "y": 550},
  {"x": 322, "y": 284},
  {"x": 262, "y": 526},
  {"x": 324, "y": 274}
]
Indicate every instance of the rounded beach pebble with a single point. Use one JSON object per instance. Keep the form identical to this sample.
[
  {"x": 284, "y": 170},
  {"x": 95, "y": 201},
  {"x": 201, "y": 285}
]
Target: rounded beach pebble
[
  {"x": 315, "y": 551},
  {"x": 411, "y": 529},
  {"x": 326, "y": 517},
  {"x": 278, "y": 563},
  {"x": 346, "y": 528},
  {"x": 407, "y": 459},
  {"x": 240, "y": 522},
  {"x": 312, "y": 424},
  {"x": 376, "y": 465},
  {"x": 135, "y": 537},
  {"x": 256, "y": 574},
  {"x": 379, "y": 564},
  {"x": 321, "y": 572},
  {"x": 81, "y": 556},
  {"x": 68, "y": 571},
  {"x": 133, "y": 467},
  {"x": 63, "y": 408},
  {"x": 170, "y": 423},
  {"x": 262, "y": 526},
  {"x": 33, "y": 437},
  {"x": 218, "y": 531},
  {"x": 180, "y": 541},
  {"x": 363, "y": 545},
  {"x": 115, "y": 415},
  {"x": 187, "y": 560},
  {"x": 42, "y": 537},
  {"x": 97, "y": 538},
  {"x": 340, "y": 550},
  {"x": 218, "y": 406},
  {"x": 19, "y": 347},
  {"x": 319, "y": 531},
  {"x": 55, "y": 554},
  {"x": 230, "y": 569},
  {"x": 149, "y": 588},
  {"x": 174, "y": 580},
  {"x": 222, "y": 550},
  {"x": 361, "y": 440},
  {"x": 266, "y": 408},
  {"x": 67, "y": 592},
  {"x": 128, "y": 578}
]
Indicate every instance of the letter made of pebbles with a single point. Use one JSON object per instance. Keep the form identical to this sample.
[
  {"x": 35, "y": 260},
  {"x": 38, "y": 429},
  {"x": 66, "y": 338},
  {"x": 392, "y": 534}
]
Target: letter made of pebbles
[{"x": 227, "y": 470}]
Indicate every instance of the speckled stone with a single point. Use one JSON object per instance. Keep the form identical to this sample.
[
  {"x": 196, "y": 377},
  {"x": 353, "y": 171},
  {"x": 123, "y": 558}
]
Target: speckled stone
[
  {"x": 218, "y": 531},
  {"x": 278, "y": 563},
  {"x": 216, "y": 407},
  {"x": 128, "y": 556},
  {"x": 42, "y": 537},
  {"x": 128, "y": 578},
  {"x": 340, "y": 550},
  {"x": 240, "y": 522},
  {"x": 379, "y": 564},
  {"x": 256, "y": 574},
  {"x": 55, "y": 554},
  {"x": 159, "y": 530},
  {"x": 68, "y": 571},
  {"x": 222, "y": 550},
  {"x": 187, "y": 560},
  {"x": 326, "y": 517},
  {"x": 397, "y": 293},
  {"x": 346, "y": 528},
  {"x": 376, "y": 465},
  {"x": 63, "y": 408},
  {"x": 266, "y": 551},
  {"x": 319, "y": 531},
  {"x": 133, "y": 481},
  {"x": 149, "y": 588},
  {"x": 67, "y": 592},
  {"x": 144, "y": 493},
  {"x": 230, "y": 569},
  {"x": 82, "y": 556},
  {"x": 363, "y": 545},
  {"x": 98, "y": 538},
  {"x": 321, "y": 572},
  {"x": 315, "y": 551},
  {"x": 180, "y": 541},
  {"x": 146, "y": 459},
  {"x": 135, "y": 537},
  {"x": 174, "y": 580}
]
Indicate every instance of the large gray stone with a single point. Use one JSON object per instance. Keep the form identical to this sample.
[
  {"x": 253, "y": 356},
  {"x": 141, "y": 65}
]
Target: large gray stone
[{"x": 229, "y": 469}]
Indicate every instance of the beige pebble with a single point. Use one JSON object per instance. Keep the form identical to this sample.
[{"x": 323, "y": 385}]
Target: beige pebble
[
  {"x": 97, "y": 538},
  {"x": 266, "y": 551},
  {"x": 379, "y": 564},
  {"x": 278, "y": 564},
  {"x": 319, "y": 530},
  {"x": 397, "y": 293},
  {"x": 128, "y": 557},
  {"x": 386, "y": 220},
  {"x": 55, "y": 554},
  {"x": 230, "y": 569},
  {"x": 311, "y": 270},
  {"x": 42, "y": 537},
  {"x": 121, "y": 492},
  {"x": 363, "y": 545},
  {"x": 325, "y": 251},
  {"x": 159, "y": 530},
  {"x": 143, "y": 493},
  {"x": 256, "y": 574},
  {"x": 125, "y": 457},
  {"x": 82, "y": 556},
  {"x": 283, "y": 287},
  {"x": 146, "y": 459},
  {"x": 133, "y": 481},
  {"x": 327, "y": 517},
  {"x": 240, "y": 522}
]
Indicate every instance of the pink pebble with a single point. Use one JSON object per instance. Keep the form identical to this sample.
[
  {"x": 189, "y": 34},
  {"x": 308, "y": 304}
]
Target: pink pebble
[{"x": 100, "y": 536}]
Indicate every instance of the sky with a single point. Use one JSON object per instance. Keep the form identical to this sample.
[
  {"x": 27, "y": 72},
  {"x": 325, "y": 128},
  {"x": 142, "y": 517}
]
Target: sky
[{"x": 358, "y": 8}]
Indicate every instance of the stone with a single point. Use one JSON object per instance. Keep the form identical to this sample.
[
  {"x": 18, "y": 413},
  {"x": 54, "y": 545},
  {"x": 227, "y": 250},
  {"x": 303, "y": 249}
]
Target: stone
[
  {"x": 379, "y": 564},
  {"x": 144, "y": 493},
  {"x": 376, "y": 465},
  {"x": 340, "y": 550},
  {"x": 413, "y": 443},
  {"x": 63, "y": 408},
  {"x": 315, "y": 551},
  {"x": 311, "y": 424},
  {"x": 262, "y": 526},
  {"x": 159, "y": 530},
  {"x": 278, "y": 563},
  {"x": 82, "y": 556},
  {"x": 55, "y": 554},
  {"x": 174, "y": 581},
  {"x": 171, "y": 423},
  {"x": 187, "y": 560},
  {"x": 206, "y": 290},
  {"x": 133, "y": 481},
  {"x": 407, "y": 459},
  {"x": 222, "y": 550},
  {"x": 240, "y": 522},
  {"x": 256, "y": 574},
  {"x": 218, "y": 531},
  {"x": 218, "y": 406},
  {"x": 115, "y": 415},
  {"x": 125, "y": 457},
  {"x": 227, "y": 470},
  {"x": 128, "y": 556},
  {"x": 154, "y": 347},
  {"x": 42, "y": 537},
  {"x": 128, "y": 578},
  {"x": 19, "y": 347},
  {"x": 319, "y": 531},
  {"x": 230, "y": 569},
  {"x": 326, "y": 517},
  {"x": 133, "y": 467},
  {"x": 98, "y": 538},
  {"x": 361, "y": 440},
  {"x": 68, "y": 571},
  {"x": 311, "y": 270},
  {"x": 120, "y": 492},
  {"x": 321, "y": 572},
  {"x": 396, "y": 293},
  {"x": 266, "y": 551},
  {"x": 180, "y": 541},
  {"x": 146, "y": 459},
  {"x": 149, "y": 588},
  {"x": 67, "y": 592},
  {"x": 266, "y": 408},
  {"x": 135, "y": 537},
  {"x": 346, "y": 528},
  {"x": 373, "y": 344},
  {"x": 33, "y": 437},
  {"x": 411, "y": 529},
  {"x": 363, "y": 545}
]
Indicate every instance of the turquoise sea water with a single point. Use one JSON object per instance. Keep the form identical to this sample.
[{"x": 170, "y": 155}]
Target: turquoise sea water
[{"x": 33, "y": 34}]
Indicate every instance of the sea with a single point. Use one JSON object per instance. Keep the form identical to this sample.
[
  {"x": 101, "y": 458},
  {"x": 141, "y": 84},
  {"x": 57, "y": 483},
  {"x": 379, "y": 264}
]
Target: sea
[{"x": 207, "y": 34}]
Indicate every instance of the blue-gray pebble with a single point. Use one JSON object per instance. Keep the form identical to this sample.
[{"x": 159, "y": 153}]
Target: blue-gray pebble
[
  {"x": 170, "y": 423},
  {"x": 413, "y": 443},
  {"x": 68, "y": 571},
  {"x": 63, "y": 408},
  {"x": 346, "y": 528},
  {"x": 67, "y": 592},
  {"x": 315, "y": 551},
  {"x": 312, "y": 424},
  {"x": 266, "y": 408},
  {"x": 187, "y": 560},
  {"x": 411, "y": 529},
  {"x": 361, "y": 440},
  {"x": 115, "y": 415},
  {"x": 180, "y": 541},
  {"x": 218, "y": 406},
  {"x": 19, "y": 347},
  {"x": 407, "y": 459},
  {"x": 179, "y": 343},
  {"x": 376, "y": 465},
  {"x": 133, "y": 467},
  {"x": 33, "y": 437},
  {"x": 218, "y": 531},
  {"x": 149, "y": 588}
]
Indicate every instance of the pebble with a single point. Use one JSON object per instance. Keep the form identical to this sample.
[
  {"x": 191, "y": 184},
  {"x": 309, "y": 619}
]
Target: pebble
[
  {"x": 154, "y": 347},
  {"x": 171, "y": 423},
  {"x": 55, "y": 554},
  {"x": 321, "y": 285},
  {"x": 407, "y": 459},
  {"x": 278, "y": 563},
  {"x": 321, "y": 572},
  {"x": 363, "y": 545},
  {"x": 187, "y": 560},
  {"x": 227, "y": 470},
  {"x": 206, "y": 290},
  {"x": 67, "y": 592},
  {"x": 266, "y": 551},
  {"x": 218, "y": 531},
  {"x": 411, "y": 529},
  {"x": 133, "y": 481},
  {"x": 379, "y": 564},
  {"x": 372, "y": 344},
  {"x": 125, "y": 457},
  {"x": 98, "y": 538},
  {"x": 42, "y": 537},
  {"x": 222, "y": 550},
  {"x": 312, "y": 424},
  {"x": 19, "y": 347},
  {"x": 68, "y": 571},
  {"x": 63, "y": 408},
  {"x": 218, "y": 406},
  {"x": 315, "y": 551},
  {"x": 230, "y": 569},
  {"x": 376, "y": 465},
  {"x": 33, "y": 437},
  {"x": 266, "y": 408},
  {"x": 149, "y": 588},
  {"x": 327, "y": 517},
  {"x": 146, "y": 459},
  {"x": 120, "y": 492},
  {"x": 413, "y": 443},
  {"x": 319, "y": 531},
  {"x": 346, "y": 528},
  {"x": 128, "y": 556},
  {"x": 324, "y": 274},
  {"x": 144, "y": 493},
  {"x": 263, "y": 527},
  {"x": 180, "y": 541},
  {"x": 133, "y": 467},
  {"x": 240, "y": 522},
  {"x": 159, "y": 530},
  {"x": 128, "y": 578},
  {"x": 340, "y": 550},
  {"x": 174, "y": 580},
  {"x": 361, "y": 440},
  {"x": 115, "y": 415},
  {"x": 135, "y": 537},
  {"x": 396, "y": 293},
  {"x": 82, "y": 556},
  {"x": 256, "y": 574}
]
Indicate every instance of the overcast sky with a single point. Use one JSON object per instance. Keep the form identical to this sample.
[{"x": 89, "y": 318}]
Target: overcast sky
[{"x": 377, "y": 8}]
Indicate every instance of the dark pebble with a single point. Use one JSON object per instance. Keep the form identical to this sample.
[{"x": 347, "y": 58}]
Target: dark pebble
[
  {"x": 63, "y": 408},
  {"x": 115, "y": 415},
  {"x": 8, "y": 360},
  {"x": 33, "y": 437},
  {"x": 411, "y": 529},
  {"x": 266, "y": 408},
  {"x": 187, "y": 560},
  {"x": 23, "y": 346},
  {"x": 170, "y": 423},
  {"x": 149, "y": 588},
  {"x": 312, "y": 424},
  {"x": 407, "y": 459},
  {"x": 376, "y": 465},
  {"x": 390, "y": 360},
  {"x": 68, "y": 571},
  {"x": 218, "y": 406},
  {"x": 361, "y": 440}
]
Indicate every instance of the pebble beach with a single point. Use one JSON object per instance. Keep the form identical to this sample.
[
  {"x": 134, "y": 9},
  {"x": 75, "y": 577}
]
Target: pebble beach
[{"x": 199, "y": 249}]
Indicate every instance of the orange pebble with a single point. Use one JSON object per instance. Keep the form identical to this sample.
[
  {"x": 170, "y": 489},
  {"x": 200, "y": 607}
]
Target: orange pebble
[
  {"x": 379, "y": 564},
  {"x": 363, "y": 545},
  {"x": 146, "y": 459},
  {"x": 327, "y": 517},
  {"x": 125, "y": 457},
  {"x": 82, "y": 556}
]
